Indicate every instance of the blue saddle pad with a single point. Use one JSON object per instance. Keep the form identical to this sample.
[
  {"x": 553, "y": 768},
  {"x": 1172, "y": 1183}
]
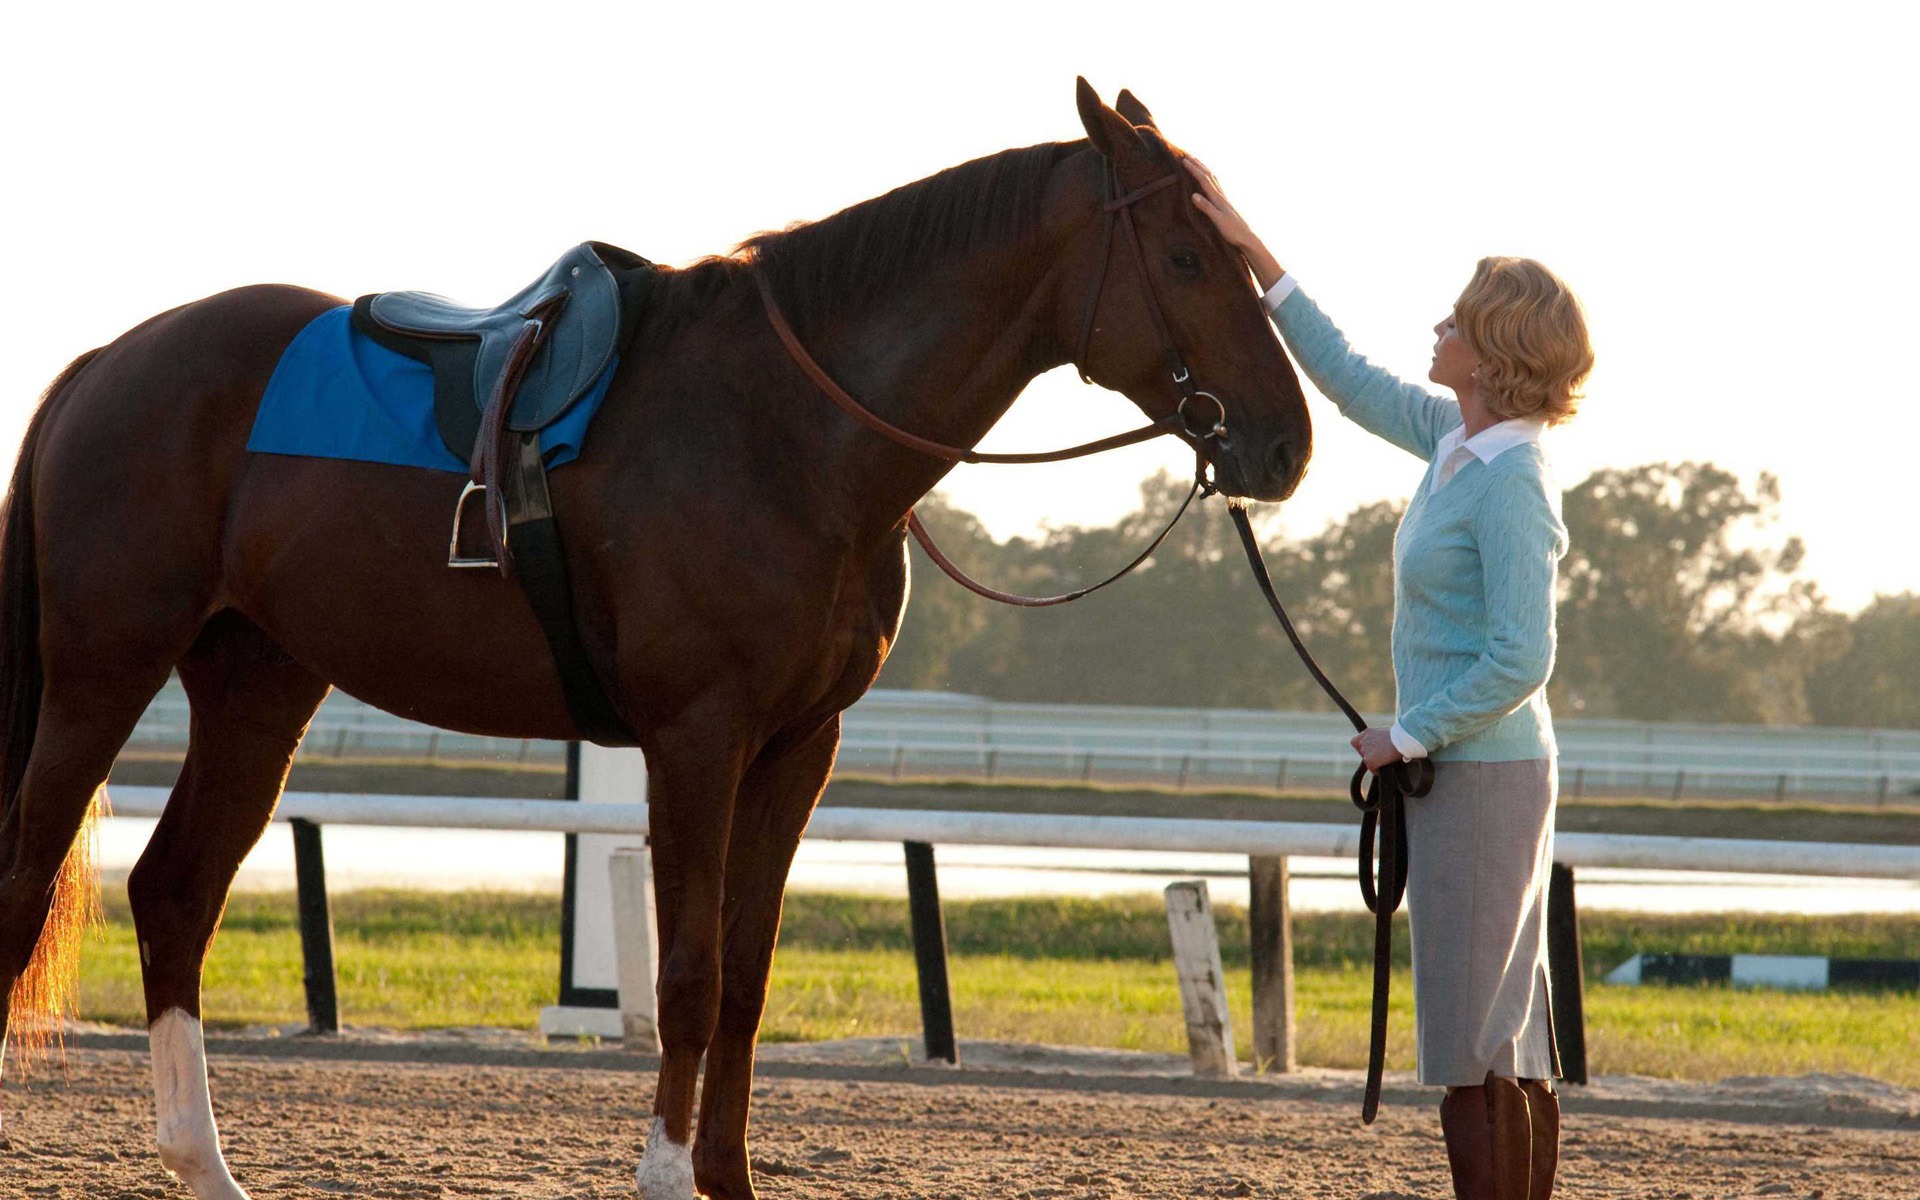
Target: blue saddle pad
[{"x": 336, "y": 393}]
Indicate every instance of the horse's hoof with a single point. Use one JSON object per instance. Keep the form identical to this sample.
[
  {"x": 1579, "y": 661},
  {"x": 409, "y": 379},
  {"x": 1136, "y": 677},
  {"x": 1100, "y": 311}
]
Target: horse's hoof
[{"x": 666, "y": 1168}]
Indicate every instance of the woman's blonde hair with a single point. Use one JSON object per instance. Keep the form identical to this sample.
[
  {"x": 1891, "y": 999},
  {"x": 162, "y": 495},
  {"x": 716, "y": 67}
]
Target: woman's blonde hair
[{"x": 1526, "y": 327}]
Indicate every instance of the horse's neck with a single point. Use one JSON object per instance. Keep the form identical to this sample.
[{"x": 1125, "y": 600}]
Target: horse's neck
[{"x": 943, "y": 358}]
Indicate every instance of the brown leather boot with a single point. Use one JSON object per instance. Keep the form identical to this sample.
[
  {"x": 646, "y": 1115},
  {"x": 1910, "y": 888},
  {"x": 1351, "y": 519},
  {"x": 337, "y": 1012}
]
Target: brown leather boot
[
  {"x": 1489, "y": 1140},
  {"x": 1543, "y": 1111},
  {"x": 1469, "y": 1135},
  {"x": 1469, "y": 1143},
  {"x": 1512, "y": 1139}
]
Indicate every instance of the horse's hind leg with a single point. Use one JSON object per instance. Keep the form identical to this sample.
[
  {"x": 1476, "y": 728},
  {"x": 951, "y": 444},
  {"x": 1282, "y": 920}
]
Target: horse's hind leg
[
  {"x": 46, "y": 868},
  {"x": 775, "y": 800},
  {"x": 250, "y": 708},
  {"x": 66, "y": 717}
]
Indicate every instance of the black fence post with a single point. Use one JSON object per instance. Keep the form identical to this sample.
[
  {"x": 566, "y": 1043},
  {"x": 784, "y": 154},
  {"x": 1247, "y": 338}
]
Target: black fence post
[
  {"x": 930, "y": 953},
  {"x": 1270, "y": 947},
  {"x": 1568, "y": 978},
  {"x": 316, "y": 928}
]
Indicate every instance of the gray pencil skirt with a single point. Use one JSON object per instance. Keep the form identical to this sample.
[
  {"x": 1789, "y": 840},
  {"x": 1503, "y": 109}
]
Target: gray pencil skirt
[{"x": 1480, "y": 853}]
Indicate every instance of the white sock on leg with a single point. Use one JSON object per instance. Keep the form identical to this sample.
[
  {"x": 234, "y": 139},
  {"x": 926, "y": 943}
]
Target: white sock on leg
[{"x": 189, "y": 1141}]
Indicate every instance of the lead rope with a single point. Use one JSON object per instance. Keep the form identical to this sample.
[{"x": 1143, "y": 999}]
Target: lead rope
[{"x": 1381, "y": 799}]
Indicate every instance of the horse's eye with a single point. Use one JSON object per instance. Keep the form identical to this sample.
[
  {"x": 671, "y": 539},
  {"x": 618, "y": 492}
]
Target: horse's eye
[{"x": 1186, "y": 260}]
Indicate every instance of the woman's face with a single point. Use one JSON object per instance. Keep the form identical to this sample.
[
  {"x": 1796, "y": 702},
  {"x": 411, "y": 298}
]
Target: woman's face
[{"x": 1453, "y": 363}]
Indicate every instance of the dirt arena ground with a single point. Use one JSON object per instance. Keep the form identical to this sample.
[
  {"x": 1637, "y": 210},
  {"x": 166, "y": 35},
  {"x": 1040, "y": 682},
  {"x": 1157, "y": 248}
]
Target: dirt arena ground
[{"x": 441, "y": 1121}]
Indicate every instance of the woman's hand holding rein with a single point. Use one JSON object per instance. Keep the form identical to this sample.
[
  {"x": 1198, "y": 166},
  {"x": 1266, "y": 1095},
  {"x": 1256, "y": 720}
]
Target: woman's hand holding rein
[
  {"x": 1376, "y": 749},
  {"x": 1232, "y": 226}
]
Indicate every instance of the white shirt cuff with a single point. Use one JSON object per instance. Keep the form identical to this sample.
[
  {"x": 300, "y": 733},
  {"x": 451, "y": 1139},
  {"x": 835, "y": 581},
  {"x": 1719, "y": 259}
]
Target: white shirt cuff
[
  {"x": 1278, "y": 293},
  {"x": 1406, "y": 743}
]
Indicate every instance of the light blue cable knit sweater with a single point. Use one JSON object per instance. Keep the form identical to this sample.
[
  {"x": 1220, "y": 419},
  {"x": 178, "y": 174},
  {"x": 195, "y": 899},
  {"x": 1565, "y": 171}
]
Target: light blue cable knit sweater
[{"x": 1474, "y": 563}]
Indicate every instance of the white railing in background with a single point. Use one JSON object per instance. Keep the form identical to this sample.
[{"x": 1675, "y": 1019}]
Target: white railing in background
[
  {"x": 1186, "y": 835},
  {"x": 917, "y": 734}
]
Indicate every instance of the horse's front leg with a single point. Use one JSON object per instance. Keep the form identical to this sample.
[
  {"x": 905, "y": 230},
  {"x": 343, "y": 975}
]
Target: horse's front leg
[
  {"x": 775, "y": 800},
  {"x": 693, "y": 770}
]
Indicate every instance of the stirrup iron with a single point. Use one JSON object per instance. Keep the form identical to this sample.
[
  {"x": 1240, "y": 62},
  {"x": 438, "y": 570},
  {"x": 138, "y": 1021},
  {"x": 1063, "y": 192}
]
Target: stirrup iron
[{"x": 453, "y": 543}]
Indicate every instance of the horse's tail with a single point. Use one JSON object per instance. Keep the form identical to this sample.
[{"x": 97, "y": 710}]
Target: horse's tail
[{"x": 48, "y": 988}]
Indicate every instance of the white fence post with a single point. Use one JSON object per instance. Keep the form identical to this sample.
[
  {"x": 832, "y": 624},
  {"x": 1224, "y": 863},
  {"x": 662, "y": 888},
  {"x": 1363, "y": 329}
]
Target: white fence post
[
  {"x": 1203, "y": 989},
  {"x": 635, "y": 952}
]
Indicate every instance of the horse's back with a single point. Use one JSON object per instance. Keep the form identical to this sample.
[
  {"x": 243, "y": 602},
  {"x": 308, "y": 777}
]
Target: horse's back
[
  {"x": 133, "y": 468},
  {"x": 180, "y": 386}
]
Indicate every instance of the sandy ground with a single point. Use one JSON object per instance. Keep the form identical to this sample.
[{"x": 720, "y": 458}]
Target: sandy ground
[{"x": 404, "y": 1117}]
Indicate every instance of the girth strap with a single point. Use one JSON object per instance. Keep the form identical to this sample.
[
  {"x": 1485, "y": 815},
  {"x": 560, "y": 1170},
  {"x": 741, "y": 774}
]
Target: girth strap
[{"x": 542, "y": 570}]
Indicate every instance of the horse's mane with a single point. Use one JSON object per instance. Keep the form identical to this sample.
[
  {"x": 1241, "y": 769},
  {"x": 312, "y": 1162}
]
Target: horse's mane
[
  {"x": 845, "y": 261},
  {"x": 842, "y": 263}
]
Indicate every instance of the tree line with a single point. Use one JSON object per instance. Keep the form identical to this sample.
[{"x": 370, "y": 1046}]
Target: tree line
[{"x": 1678, "y": 602}]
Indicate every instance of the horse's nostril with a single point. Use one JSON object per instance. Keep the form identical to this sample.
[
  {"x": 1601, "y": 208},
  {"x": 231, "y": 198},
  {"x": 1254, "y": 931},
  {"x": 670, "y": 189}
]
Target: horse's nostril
[{"x": 1281, "y": 460}]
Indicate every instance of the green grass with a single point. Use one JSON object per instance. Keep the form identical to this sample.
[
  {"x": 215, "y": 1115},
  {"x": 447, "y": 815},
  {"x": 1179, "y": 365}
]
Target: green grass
[
  {"x": 412, "y": 960},
  {"x": 1065, "y": 971}
]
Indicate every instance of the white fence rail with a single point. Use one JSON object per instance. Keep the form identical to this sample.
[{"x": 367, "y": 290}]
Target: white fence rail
[
  {"x": 922, "y": 733},
  {"x": 1254, "y": 838}
]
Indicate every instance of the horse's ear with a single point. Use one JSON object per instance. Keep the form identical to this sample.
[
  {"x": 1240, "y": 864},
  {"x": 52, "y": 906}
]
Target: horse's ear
[
  {"x": 1107, "y": 130},
  {"x": 1128, "y": 105}
]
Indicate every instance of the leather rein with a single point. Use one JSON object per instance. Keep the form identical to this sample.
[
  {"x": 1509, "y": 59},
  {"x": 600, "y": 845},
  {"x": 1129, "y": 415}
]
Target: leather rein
[
  {"x": 1380, "y": 796},
  {"x": 1116, "y": 210}
]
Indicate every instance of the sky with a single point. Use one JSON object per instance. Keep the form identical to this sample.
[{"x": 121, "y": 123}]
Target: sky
[{"x": 1730, "y": 189}]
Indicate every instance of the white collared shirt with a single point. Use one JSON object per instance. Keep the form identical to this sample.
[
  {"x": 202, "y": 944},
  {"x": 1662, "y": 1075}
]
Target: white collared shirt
[
  {"x": 1455, "y": 449},
  {"x": 1282, "y": 287}
]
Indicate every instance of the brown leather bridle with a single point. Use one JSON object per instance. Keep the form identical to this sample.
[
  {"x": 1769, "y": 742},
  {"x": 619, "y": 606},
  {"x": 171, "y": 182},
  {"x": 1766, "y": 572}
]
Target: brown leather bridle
[
  {"x": 1199, "y": 430},
  {"x": 1381, "y": 798}
]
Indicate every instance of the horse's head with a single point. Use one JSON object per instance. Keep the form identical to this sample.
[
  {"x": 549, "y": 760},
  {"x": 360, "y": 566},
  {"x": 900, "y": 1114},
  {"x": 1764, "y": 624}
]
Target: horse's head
[{"x": 1181, "y": 302}]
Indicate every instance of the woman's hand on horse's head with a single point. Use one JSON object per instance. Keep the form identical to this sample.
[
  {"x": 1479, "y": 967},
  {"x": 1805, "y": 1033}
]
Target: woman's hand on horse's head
[
  {"x": 1213, "y": 202},
  {"x": 1232, "y": 226},
  {"x": 1376, "y": 749}
]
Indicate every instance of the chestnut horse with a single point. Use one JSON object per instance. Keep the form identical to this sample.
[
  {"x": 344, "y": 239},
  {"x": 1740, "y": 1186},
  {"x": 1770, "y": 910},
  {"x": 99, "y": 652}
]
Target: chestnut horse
[{"x": 736, "y": 544}]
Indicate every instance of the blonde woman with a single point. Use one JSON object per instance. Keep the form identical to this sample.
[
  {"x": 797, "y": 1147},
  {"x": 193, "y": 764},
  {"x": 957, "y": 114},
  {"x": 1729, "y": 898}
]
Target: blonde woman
[{"x": 1473, "y": 636}]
